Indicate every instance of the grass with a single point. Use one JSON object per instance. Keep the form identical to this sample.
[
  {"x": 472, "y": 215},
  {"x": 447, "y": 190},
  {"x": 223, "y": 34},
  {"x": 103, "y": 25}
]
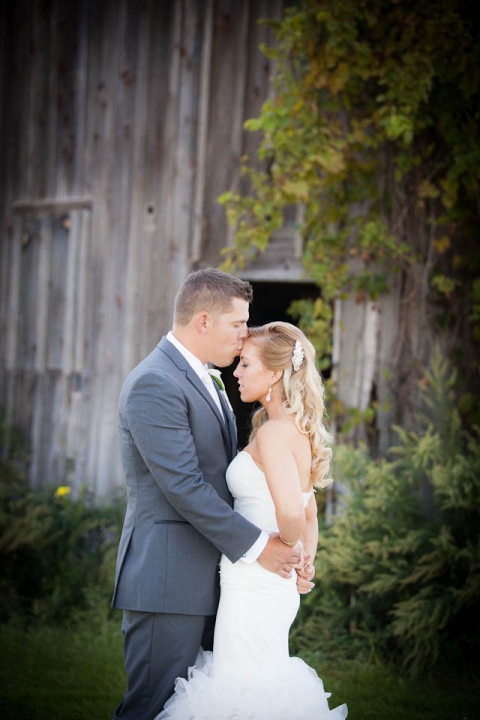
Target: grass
[
  {"x": 60, "y": 674},
  {"x": 376, "y": 693},
  {"x": 70, "y": 674}
]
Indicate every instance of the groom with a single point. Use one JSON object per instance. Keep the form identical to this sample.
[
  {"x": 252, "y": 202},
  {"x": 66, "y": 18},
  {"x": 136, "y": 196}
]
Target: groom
[{"x": 177, "y": 438}]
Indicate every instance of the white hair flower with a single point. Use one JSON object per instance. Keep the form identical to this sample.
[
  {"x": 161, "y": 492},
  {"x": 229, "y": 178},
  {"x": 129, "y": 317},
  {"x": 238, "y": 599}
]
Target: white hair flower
[{"x": 298, "y": 355}]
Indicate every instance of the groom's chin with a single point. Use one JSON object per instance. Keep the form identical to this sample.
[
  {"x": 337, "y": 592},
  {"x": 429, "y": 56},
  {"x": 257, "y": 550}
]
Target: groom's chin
[{"x": 229, "y": 361}]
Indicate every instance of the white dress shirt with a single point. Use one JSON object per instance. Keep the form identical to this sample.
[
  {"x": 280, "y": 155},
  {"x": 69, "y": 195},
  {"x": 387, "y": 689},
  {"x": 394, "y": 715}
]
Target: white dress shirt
[{"x": 200, "y": 369}]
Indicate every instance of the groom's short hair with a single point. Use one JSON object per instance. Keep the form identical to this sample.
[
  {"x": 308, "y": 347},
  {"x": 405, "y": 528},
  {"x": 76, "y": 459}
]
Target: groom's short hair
[{"x": 211, "y": 290}]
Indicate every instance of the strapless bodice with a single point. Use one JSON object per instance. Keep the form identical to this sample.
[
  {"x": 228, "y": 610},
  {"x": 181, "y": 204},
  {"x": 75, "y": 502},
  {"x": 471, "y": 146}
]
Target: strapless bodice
[{"x": 248, "y": 485}]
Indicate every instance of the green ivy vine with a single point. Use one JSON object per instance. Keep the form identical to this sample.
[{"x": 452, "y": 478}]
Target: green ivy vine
[{"x": 373, "y": 126}]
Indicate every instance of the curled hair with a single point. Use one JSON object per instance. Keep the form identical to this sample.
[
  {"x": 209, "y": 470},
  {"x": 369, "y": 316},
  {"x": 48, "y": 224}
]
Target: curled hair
[
  {"x": 302, "y": 390},
  {"x": 211, "y": 290}
]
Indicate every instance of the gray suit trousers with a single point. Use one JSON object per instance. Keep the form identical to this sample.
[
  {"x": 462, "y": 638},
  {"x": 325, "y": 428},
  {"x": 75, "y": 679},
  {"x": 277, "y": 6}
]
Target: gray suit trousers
[{"x": 159, "y": 647}]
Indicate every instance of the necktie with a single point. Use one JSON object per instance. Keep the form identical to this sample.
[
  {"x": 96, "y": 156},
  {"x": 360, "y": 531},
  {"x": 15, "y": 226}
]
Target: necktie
[{"x": 208, "y": 382}]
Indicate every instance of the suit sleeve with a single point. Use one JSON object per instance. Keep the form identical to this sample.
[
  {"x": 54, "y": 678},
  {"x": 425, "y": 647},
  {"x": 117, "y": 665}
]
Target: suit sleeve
[{"x": 156, "y": 412}]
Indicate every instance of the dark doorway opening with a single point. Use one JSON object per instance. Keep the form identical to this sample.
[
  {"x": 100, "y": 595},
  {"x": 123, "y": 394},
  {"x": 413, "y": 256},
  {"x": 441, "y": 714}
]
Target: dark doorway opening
[{"x": 271, "y": 301}]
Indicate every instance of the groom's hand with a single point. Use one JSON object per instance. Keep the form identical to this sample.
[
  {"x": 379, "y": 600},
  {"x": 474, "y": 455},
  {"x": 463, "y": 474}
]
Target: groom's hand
[{"x": 280, "y": 558}]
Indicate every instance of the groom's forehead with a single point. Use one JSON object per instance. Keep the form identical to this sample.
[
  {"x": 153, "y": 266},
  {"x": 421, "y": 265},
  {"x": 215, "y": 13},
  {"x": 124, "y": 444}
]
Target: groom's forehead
[{"x": 238, "y": 312}]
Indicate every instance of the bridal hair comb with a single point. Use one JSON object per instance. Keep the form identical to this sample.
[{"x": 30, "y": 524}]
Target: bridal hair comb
[{"x": 298, "y": 355}]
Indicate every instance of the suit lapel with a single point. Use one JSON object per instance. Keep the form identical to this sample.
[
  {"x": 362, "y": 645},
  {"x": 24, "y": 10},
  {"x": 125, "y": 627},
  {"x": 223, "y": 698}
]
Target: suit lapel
[{"x": 197, "y": 384}]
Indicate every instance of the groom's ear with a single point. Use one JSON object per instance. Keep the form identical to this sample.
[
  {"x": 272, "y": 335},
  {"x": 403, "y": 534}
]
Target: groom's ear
[{"x": 202, "y": 321}]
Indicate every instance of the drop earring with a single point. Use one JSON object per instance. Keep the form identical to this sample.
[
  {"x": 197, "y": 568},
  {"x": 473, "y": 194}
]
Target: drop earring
[{"x": 269, "y": 394}]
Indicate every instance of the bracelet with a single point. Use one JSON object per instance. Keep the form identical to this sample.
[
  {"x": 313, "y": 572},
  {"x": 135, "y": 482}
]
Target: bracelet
[{"x": 290, "y": 544}]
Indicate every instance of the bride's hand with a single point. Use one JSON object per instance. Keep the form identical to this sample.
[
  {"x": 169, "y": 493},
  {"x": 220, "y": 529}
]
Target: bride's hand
[
  {"x": 306, "y": 570},
  {"x": 304, "y": 586},
  {"x": 305, "y": 575}
]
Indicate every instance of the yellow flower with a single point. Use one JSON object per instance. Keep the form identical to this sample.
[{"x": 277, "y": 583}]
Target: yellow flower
[{"x": 62, "y": 490}]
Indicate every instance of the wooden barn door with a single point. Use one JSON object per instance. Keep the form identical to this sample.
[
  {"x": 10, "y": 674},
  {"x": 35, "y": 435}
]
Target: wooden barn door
[{"x": 47, "y": 348}]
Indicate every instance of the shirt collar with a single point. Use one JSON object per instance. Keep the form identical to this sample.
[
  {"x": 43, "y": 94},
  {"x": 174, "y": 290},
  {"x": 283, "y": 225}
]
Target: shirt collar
[{"x": 192, "y": 359}]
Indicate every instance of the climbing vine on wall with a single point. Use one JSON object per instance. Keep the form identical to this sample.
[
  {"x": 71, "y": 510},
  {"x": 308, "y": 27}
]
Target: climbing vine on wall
[{"x": 373, "y": 126}]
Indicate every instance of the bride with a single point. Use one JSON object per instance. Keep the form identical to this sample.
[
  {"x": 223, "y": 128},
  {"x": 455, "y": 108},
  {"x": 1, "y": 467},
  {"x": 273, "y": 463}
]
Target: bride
[{"x": 250, "y": 675}]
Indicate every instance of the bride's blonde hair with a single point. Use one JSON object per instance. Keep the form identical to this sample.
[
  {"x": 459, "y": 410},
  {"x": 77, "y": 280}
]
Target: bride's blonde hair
[{"x": 301, "y": 387}]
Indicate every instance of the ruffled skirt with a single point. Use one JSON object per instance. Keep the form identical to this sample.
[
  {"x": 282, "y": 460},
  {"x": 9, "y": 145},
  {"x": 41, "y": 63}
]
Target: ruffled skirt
[
  {"x": 250, "y": 675},
  {"x": 295, "y": 692}
]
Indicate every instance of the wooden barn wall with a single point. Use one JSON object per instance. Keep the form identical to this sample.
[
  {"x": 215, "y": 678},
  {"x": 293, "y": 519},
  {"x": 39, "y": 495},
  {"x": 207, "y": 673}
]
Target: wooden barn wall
[{"x": 121, "y": 122}]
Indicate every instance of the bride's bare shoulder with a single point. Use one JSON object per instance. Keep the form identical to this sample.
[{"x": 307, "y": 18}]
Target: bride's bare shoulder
[
  {"x": 282, "y": 438},
  {"x": 278, "y": 432}
]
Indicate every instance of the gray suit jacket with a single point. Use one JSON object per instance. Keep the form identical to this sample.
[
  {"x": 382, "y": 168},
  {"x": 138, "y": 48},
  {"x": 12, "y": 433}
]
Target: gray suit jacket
[{"x": 175, "y": 450}]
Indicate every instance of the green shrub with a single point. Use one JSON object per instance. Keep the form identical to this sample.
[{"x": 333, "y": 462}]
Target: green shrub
[
  {"x": 57, "y": 553},
  {"x": 399, "y": 569}
]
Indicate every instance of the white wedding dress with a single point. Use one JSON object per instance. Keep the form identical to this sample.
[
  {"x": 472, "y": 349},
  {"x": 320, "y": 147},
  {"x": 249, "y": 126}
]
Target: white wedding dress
[{"x": 250, "y": 675}]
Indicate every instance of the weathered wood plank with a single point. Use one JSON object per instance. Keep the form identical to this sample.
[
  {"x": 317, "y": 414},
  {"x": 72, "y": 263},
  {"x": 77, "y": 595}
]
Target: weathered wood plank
[
  {"x": 46, "y": 231},
  {"x": 183, "y": 161},
  {"x": 70, "y": 223},
  {"x": 202, "y": 132},
  {"x": 140, "y": 213},
  {"x": 57, "y": 293},
  {"x": 105, "y": 23},
  {"x": 27, "y": 293},
  {"x": 37, "y": 79},
  {"x": 49, "y": 441},
  {"x": 67, "y": 98},
  {"x": 387, "y": 375},
  {"x": 53, "y": 101},
  {"x": 20, "y": 99},
  {"x": 13, "y": 309},
  {"x": 22, "y": 384},
  {"x": 81, "y": 95},
  {"x": 157, "y": 305},
  {"x": 259, "y": 74},
  {"x": 81, "y": 304},
  {"x": 53, "y": 204},
  {"x": 5, "y": 245},
  {"x": 226, "y": 118},
  {"x": 76, "y": 433},
  {"x": 122, "y": 74}
]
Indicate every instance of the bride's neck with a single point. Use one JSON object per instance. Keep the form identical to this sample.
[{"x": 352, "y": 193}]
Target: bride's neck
[{"x": 274, "y": 410}]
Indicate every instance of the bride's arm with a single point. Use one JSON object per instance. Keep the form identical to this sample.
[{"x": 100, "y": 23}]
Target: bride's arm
[
  {"x": 310, "y": 539},
  {"x": 276, "y": 457},
  {"x": 310, "y": 535}
]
